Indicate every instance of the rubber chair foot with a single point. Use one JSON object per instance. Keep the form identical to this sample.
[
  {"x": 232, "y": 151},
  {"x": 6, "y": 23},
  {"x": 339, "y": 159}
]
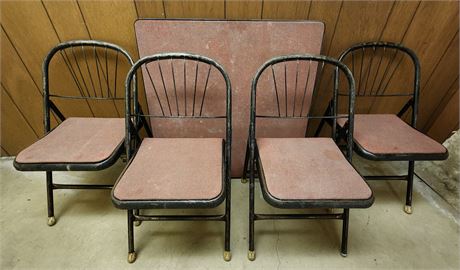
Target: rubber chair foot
[
  {"x": 251, "y": 255},
  {"x": 408, "y": 209},
  {"x": 132, "y": 257},
  {"x": 227, "y": 256},
  {"x": 51, "y": 221}
]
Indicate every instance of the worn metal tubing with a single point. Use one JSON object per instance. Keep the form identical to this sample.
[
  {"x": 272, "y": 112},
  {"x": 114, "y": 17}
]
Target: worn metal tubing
[
  {"x": 49, "y": 193},
  {"x": 410, "y": 183},
  {"x": 81, "y": 186},
  {"x": 130, "y": 231},
  {"x": 302, "y": 203},
  {"x": 398, "y": 157},
  {"x": 297, "y": 216},
  {"x": 71, "y": 166},
  {"x": 132, "y": 143},
  {"x": 255, "y": 164},
  {"x": 180, "y": 217},
  {"x": 62, "y": 46},
  {"x": 344, "y": 245},
  {"x": 385, "y": 177}
]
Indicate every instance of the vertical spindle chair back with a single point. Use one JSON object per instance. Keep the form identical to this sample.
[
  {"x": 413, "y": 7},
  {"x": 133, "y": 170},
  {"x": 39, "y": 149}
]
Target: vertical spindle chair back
[
  {"x": 284, "y": 165},
  {"x": 88, "y": 73},
  {"x": 388, "y": 88},
  {"x": 180, "y": 89},
  {"x": 385, "y": 70},
  {"x": 83, "y": 97},
  {"x": 288, "y": 85}
]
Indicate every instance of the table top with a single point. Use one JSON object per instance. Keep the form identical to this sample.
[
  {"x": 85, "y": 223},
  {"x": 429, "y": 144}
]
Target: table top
[{"x": 241, "y": 47}]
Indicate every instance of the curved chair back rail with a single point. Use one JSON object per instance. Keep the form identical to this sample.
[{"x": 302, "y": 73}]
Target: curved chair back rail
[
  {"x": 376, "y": 64},
  {"x": 85, "y": 73},
  {"x": 290, "y": 92},
  {"x": 385, "y": 72},
  {"x": 175, "y": 95},
  {"x": 289, "y": 168},
  {"x": 93, "y": 66}
]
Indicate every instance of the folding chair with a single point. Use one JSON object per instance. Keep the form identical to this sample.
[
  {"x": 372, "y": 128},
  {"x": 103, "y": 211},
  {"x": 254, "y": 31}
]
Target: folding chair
[
  {"x": 388, "y": 77},
  {"x": 296, "y": 172},
  {"x": 172, "y": 169},
  {"x": 83, "y": 75}
]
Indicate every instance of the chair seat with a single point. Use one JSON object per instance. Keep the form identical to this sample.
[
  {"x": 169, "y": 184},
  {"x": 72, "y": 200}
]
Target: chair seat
[
  {"x": 386, "y": 136},
  {"x": 75, "y": 141},
  {"x": 310, "y": 172},
  {"x": 168, "y": 172}
]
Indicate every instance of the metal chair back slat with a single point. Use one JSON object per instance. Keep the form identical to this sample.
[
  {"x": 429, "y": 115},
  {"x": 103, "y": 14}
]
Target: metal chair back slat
[
  {"x": 380, "y": 70},
  {"x": 286, "y": 69},
  {"x": 94, "y": 68},
  {"x": 167, "y": 100}
]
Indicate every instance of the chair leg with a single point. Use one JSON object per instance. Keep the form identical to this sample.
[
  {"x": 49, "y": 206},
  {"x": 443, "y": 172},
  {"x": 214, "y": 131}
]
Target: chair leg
[
  {"x": 50, "y": 199},
  {"x": 410, "y": 183},
  {"x": 137, "y": 223},
  {"x": 131, "y": 252},
  {"x": 251, "y": 252},
  {"x": 228, "y": 203},
  {"x": 244, "y": 178},
  {"x": 343, "y": 250}
]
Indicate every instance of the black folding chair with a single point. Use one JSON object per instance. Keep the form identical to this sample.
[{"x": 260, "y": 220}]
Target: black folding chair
[
  {"x": 84, "y": 76},
  {"x": 171, "y": 169},
  {"x": 388, "y": 74},
  {"x": 294, "y": 171}
]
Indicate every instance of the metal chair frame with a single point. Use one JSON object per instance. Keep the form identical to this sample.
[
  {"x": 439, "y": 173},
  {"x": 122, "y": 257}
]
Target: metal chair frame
[
  {"x": 88, "y": 92},
  {"x": 255, "y": 165},
  {"x": 412, "y": 103},
  {"x": 132, "y": 143}
]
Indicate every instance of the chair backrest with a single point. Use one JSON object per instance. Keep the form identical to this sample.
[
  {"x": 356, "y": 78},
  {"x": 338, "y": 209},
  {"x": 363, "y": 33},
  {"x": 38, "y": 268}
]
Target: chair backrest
[
  {"x": 287, "y": 81},
  {"x": 241, "y": 46},
  {"x": 179, "y": 89},
  {"x": 384, "y": 70},
  {"x": 90, "y": 73}
]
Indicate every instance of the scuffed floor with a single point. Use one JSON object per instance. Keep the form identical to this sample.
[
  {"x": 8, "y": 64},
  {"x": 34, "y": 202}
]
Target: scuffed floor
[
  {"x": 444, "y": 176},
  {"x": 91, "y": 233}
]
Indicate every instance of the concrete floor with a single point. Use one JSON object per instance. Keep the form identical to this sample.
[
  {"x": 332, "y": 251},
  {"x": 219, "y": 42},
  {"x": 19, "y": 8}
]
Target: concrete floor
[{"x": 92, "y": 234}]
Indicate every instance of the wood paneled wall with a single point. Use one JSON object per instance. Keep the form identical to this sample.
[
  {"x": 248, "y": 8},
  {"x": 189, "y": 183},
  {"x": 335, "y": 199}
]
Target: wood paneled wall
[{"x": 31, "y": 28}]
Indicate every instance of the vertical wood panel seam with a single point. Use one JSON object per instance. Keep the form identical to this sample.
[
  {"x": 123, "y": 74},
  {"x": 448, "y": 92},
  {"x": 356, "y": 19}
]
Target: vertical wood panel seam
[
  {"x": 386, "y": 21},
  {"x": 28, "y": 72},
  {"x": 411, "y": 21},
  {"x": 374, "y": 101},
  {"x": 438, "y": 110},
  {"x": 309, "y": 10},
  {"x": 84, "y": 20},
  {"x": 22, "y": 61},
  {"x": 225, "y": 9},
  {"x": 262, "y": 10},
  {"x": 438, "y": 62},
  {"x": 335, "y": 27},
  {"x": 58, "y": 37},
  {"x": 51, "y": 21},
  {"x": 4, "y": 150},
  {"x": 135, "y": 8},
  {"x": 60, "y": 40},
  {"x": 454, "y": 124},
  {"x": 164, "y": 9},
  {"x": 20, "y": 112}
]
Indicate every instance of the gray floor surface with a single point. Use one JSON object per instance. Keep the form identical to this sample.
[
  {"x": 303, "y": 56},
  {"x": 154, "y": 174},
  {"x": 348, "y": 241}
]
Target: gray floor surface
[{"x": 91, "y": 234}]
